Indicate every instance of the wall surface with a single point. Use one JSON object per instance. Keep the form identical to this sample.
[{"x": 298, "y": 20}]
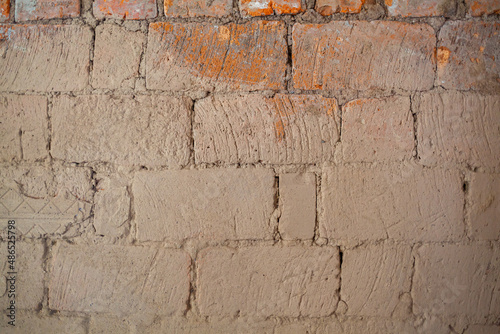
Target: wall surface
[{"x": 250, "y": 166}]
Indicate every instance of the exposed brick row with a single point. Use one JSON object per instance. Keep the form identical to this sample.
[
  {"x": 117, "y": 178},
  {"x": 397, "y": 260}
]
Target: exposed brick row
[
  {"x": 139, "y": 10},
  {"x": 336, "y": 56}
]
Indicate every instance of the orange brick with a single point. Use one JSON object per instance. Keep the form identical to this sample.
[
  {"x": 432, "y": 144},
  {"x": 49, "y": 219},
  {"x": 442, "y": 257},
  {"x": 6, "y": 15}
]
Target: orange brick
[
  {"x": 4, "y": 10},
  {"x": 420, "y": 8},
  {"x": 270, "y": 7},
  {"x": 363, "y": 55},
  {"x": 125, "y": 9},
  {"x": 190, "y": 8},
  {"x": 481, "y": 7},
  {"x": 473, "y": 63},
  {"x": 216, "y": 57},
  {"x": 27, "y": 10},
  {"x": 328, "y": 7}
]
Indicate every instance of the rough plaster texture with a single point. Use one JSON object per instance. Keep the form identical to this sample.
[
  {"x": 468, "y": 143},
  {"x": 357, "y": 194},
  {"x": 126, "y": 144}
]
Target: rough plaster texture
[{"x": 251, "y": 166}]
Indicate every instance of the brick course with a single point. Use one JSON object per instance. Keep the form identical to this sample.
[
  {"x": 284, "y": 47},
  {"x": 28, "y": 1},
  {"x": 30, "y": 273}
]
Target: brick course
[{"x": 340, "y": 55}]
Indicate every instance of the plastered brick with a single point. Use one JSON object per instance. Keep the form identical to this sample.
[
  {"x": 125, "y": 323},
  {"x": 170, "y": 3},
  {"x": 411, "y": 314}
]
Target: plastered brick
[
  {"x": 342, "y": 55},
  {"x": 357, "y": 325},
  {"x": 117, "y": 55},
  {"x": 457, "y": 280},
  {"x": 125, "y": 9},
  {"x": 124, "y": 280},
  {"x": 4, "y": 10},
  {"x": 297, "y": 193},
  {"x": 190, "y": 8},
  {"x": 482, "y": 329},
  {"x": 27, "y": 10},
  {"x": 108, "y": 325},
  {"x": 265, "y": 281},
  {"x": 55, "y": 203},
  {"x": 455, "y": 128},
  {"x": 202, "y": 56},
  {"x": 213, "y": 326},
  {"x": 112, "y": 208},
  {"x": 23, "y": 128},
  {"x": 402, "y": 202},
  {"x": 411, "y": 8},
  {"x": 329, "y": 7},
  {"x": 481, "y": 7},
  {"x": 377, "y": 130},
  {"x": 376, "y": 279},
  {"x": 127, "y": 130},
  {"x": 29, "y": 278},
  {"x": 31, "y": 322},
  {"x": 474, "y": 63},
  {"x": 484, "y": 202},
  {"x": 270, "y": 7},
  {"x": 282, "y": 129},
  {"x": 204, "y": 204},
  {"x": 32, "y": 55}
]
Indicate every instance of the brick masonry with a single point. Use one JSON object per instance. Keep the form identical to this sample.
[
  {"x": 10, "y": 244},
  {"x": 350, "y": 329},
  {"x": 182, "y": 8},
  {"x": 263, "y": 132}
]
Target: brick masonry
[{"x": 251, "y": 166}]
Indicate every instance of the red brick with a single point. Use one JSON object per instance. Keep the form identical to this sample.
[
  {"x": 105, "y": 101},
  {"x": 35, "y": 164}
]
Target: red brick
[
  {"x": 267, "y": 281},
  {"x": 193, "y": 8},
  {"x": 44, "y": 57},
  {"x": 27, "y": 10},
  {"x": 282, "y": 129},
  {"x": 221, "y": 57},
  {"x": 270, "y": 7},
  {"x": 124, "y": 280},
  {"x": 125, "y": 9},
  {"x": 458, "y": 128},
  {"x": 411, "y": 8},
  {"x": 4, "y": 10},
  {"x": 328, "y": 7},
  {"x": 481, "y": 7},
  {"x": 363, "y": 55},
  {"x": 467, "y": 57},
  {"x": 377, "y": 130}
]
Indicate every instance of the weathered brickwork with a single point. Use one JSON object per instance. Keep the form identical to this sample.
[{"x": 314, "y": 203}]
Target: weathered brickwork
[
  {"x": 125, "y": 9},
  {"x": 474, "y": 63},
  {"x": 402, "y": 202},
  {"x": 44, "y": 58},
  {"x": 29, "y": 10},
  {"x": 250, "y": 166},
  {"x": 238, "y": 56},
  {"x": 120, "y": 276},
  {"x": 268, "y": 281},
  {"x": 282, "y": 129},
  {"x": 91, "y": 138},
  {"x": 456, "y": 127},
  {"x": 329, "y": 7},
  {"x": 342, "y": 55},
  {"x": 177, "y": 205},
  {"x": 190, "y": 8},
  {"x": 270, "y": 7}
]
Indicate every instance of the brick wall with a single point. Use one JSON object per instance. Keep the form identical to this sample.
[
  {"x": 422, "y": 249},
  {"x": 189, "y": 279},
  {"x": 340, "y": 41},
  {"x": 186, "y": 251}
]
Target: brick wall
[{"x": 251, "y": 166}]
